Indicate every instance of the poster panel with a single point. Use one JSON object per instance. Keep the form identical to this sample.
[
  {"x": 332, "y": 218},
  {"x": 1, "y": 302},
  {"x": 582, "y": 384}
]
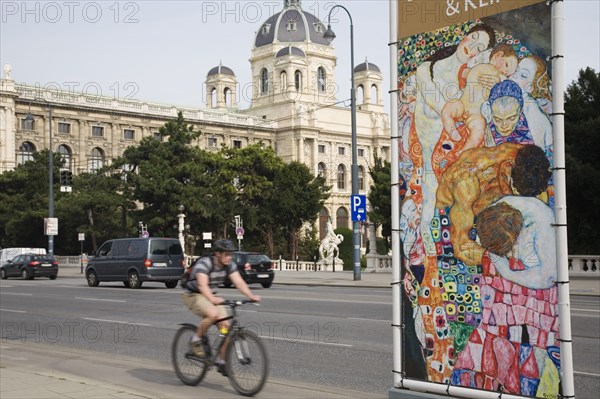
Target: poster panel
[{"x": 480, "y": 308}]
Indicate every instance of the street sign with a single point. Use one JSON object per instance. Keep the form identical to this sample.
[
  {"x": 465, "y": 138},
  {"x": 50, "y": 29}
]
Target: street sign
[
  {"x": 239, "y": 231},
  {"x": 51, "y": 226},
  {"x": 81, "y": 236},
  {"x": 358, "y": 205},
  {"x": 207, "y": 236}
]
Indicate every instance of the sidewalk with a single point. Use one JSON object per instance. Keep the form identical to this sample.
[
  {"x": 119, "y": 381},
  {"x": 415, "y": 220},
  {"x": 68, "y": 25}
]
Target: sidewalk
[
  {"x": 578, "y": 285},
  {"x": 29, "y": 370}
]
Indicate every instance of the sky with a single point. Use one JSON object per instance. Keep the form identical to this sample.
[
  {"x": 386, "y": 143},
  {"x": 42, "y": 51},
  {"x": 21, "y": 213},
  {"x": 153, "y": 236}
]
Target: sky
[{"x": 161, "y": 51}]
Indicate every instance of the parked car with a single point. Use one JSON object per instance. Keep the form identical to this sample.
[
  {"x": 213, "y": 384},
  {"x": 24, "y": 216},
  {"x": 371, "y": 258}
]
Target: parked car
[
  {"x": 29, "y": 266},
  {"x": 254, "y": 268},
  {"x": 135, "y": 260}
]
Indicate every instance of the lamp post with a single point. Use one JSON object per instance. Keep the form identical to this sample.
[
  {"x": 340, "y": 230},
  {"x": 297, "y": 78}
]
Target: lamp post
[
  {"x": 29, "y": 117},
  {"x": 181, "y": 219},
  {"x": 329, "y": 35}
]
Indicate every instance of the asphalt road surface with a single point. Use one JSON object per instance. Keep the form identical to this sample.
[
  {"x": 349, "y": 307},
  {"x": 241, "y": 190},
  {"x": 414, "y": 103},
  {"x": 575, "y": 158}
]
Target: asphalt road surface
[{"x": 332, "y": 336}]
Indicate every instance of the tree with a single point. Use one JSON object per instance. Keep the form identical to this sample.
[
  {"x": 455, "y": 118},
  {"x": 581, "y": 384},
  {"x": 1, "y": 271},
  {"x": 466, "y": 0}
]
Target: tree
[
  {"x": 380, "y": 198},
  {"x": 582, "y": 146},
  {"x": 163, "y": 174},
  {"x": 300, "y": 197}
]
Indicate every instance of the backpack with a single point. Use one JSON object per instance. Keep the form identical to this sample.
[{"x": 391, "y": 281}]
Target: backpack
[{"x": 185, "y": 278}]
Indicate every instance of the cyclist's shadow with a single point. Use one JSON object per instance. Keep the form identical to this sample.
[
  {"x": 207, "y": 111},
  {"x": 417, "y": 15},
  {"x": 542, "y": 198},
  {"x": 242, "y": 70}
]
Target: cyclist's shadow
[{"x": 168, "y": 377}]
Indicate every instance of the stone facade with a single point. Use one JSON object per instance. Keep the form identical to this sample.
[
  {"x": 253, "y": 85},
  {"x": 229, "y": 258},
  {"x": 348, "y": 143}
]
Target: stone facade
[{"x": 294, "y": 110}]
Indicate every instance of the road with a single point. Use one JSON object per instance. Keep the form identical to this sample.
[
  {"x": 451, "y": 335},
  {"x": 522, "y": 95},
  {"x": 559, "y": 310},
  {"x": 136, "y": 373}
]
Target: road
[{"x": 330, "y": 336}]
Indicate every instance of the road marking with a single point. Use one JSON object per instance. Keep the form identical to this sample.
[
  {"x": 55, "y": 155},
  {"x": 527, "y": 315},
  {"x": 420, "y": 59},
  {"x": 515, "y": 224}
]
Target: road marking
[
  {"x": 588, "y": 374},
  {"x": 303, "y": 341},
  {"x": 118, "y": 321},
  {"x": 15, "y": 293},
  {"x": 324, "y": 300},
  {"x": 13, "y": 358},
  {"x": 99, "y": 299},
  {"x": 13, "y": 311},
  {"x": 366, "y": 319},
  {"x": 586, "y": 310}
]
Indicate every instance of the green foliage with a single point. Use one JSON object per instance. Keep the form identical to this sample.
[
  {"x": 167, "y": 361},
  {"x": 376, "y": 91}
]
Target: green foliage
[
  {"x": 345, "y": 247},
  {"x": 582, "y": 146},
  {"x": 308, "y": 246},
  {"x": 149, "y": 183},
  {"x": 380, "y": 198}
]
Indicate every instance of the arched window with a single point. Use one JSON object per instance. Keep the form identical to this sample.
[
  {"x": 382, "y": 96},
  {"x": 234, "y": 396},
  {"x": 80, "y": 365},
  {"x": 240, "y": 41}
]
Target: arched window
[
  {"x": 283, "y": 80},
  {"x": 25, "y": 153},
  {"x": 341, "y": 218},
  {"x": 65, "y": 153},
  {"x": 321, "y": 79},
  {"x": 341, "y": 177},
  {"x": 374, "y": 94},
  {"x": 323, "y": 219},
  {"x": 264, "y": 81},
  {"x": 227, "y": 95},
  {"x": 213, "y": 98},
  {"x": 361, "y": 178},
  {"x": 360, "y": 94},
  {"x": 96, "y": 159},
  {"x": 298, "y": 80},
  {"x": 321, "y": 169}
]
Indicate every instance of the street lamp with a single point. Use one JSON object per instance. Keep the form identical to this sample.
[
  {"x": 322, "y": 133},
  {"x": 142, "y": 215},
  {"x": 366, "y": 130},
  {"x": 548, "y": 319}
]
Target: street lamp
[
  {"x": 29, "y": 117},
  {"x": 181, "y": 218},
  {"x": 329, "y": 35}
]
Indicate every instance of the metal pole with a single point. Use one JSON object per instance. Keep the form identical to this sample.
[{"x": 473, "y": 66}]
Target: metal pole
[
  {"x": 354, "y": 168},
  {"x": 81, "y": 257},
  {"x": 50, "y": 185}
]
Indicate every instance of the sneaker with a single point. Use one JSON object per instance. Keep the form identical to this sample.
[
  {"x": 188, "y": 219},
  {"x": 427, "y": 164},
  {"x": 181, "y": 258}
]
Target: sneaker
[
  {"x": 221, "y": 369},
  {"x": 198, "y": 348}
]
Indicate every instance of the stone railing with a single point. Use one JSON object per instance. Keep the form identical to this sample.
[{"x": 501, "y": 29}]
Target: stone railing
[
  {"x": 579, "y": 265},
  {"x": 27, "y": 92},
  {"x": 302, "y": 265},
  {"x": 584, "y": 266}
]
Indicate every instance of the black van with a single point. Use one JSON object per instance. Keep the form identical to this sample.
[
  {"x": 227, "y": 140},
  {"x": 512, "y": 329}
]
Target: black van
[{"x": 134, "y": 260}]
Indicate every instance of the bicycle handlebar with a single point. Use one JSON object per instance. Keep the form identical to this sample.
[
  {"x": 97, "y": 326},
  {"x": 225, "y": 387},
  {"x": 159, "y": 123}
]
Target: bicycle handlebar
[{"x": 236, "y": 303}]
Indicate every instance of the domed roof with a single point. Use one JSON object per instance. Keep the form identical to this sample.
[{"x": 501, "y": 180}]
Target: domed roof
[
  {"x": 221, "y": 70},
  {"x": 292, "y": 25},
  {"x": 290, "y": 50},
  {"x": 366, "y": 66}
]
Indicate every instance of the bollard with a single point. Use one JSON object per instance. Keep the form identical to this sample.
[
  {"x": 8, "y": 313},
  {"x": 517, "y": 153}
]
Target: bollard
[
  {"x": 297, "y": 263},
  {"x": 315, "y": 260},
  {"x": 334, "y": 264},
  {"x": 279, "y": 262}
]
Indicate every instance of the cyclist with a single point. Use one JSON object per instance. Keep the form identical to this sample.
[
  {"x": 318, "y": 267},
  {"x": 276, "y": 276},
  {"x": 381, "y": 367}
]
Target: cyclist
[{"x": 201, "y": 297}]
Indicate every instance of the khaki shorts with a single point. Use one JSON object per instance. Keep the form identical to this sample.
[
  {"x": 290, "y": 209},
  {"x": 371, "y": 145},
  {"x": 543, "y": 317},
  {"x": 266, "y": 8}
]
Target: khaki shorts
[{"x": 198, "y": 304}]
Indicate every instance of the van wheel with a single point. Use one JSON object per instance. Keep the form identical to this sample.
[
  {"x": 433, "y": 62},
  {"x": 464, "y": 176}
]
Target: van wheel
[
  {"x": 171, "y": 284},
  {"x": 266, "y": 285},
  {"x": 3, "y": 275},
  {"x": 126, "y": 283},
  {"x": 52, "y": 277},
  {"x": 134, "y": 280},
  {"x": 92, "y": 279}
]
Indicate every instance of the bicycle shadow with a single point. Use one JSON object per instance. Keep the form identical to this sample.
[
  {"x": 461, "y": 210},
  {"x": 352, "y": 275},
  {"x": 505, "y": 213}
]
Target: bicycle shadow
[{"x": 168, "y": 377}]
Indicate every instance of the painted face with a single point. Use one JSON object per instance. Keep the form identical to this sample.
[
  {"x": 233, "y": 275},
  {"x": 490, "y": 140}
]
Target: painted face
[
  {"x": 471, "y": 45},
  {"x": 525, "y": 74},
  {"x": 505, "y": 65},
  {"x": 506, "y": 115}
]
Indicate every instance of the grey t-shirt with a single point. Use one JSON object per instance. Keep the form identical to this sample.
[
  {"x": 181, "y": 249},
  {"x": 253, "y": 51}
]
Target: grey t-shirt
[{"x": 216, "y": 275}]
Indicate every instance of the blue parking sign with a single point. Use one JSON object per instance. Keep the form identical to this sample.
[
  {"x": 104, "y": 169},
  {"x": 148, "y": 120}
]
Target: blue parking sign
[{"x": 358, "y": 205}]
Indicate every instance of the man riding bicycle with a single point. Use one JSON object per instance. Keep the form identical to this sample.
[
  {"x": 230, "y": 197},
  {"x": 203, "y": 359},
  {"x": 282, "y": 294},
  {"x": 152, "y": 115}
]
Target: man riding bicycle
[{"x": 201, "y": 298}]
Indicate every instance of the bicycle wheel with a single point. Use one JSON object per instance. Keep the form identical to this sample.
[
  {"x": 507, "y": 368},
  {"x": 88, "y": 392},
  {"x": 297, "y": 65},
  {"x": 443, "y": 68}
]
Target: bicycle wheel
[
  {"x": 189, "y": 368},
  {"x": 247, "y": 364}
]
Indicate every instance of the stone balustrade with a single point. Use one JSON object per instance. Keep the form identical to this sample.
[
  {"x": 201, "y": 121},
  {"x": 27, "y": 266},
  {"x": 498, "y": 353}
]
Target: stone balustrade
[{"x": 579, "y": 265}]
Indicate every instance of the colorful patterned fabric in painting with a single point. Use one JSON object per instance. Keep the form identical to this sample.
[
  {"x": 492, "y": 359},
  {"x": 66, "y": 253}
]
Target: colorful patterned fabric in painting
[{"x": 459, "y": 283}]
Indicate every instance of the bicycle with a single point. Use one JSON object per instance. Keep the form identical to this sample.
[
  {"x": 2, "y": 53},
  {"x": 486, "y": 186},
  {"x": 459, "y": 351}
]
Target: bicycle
[{"x": 246, "y": 362}]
